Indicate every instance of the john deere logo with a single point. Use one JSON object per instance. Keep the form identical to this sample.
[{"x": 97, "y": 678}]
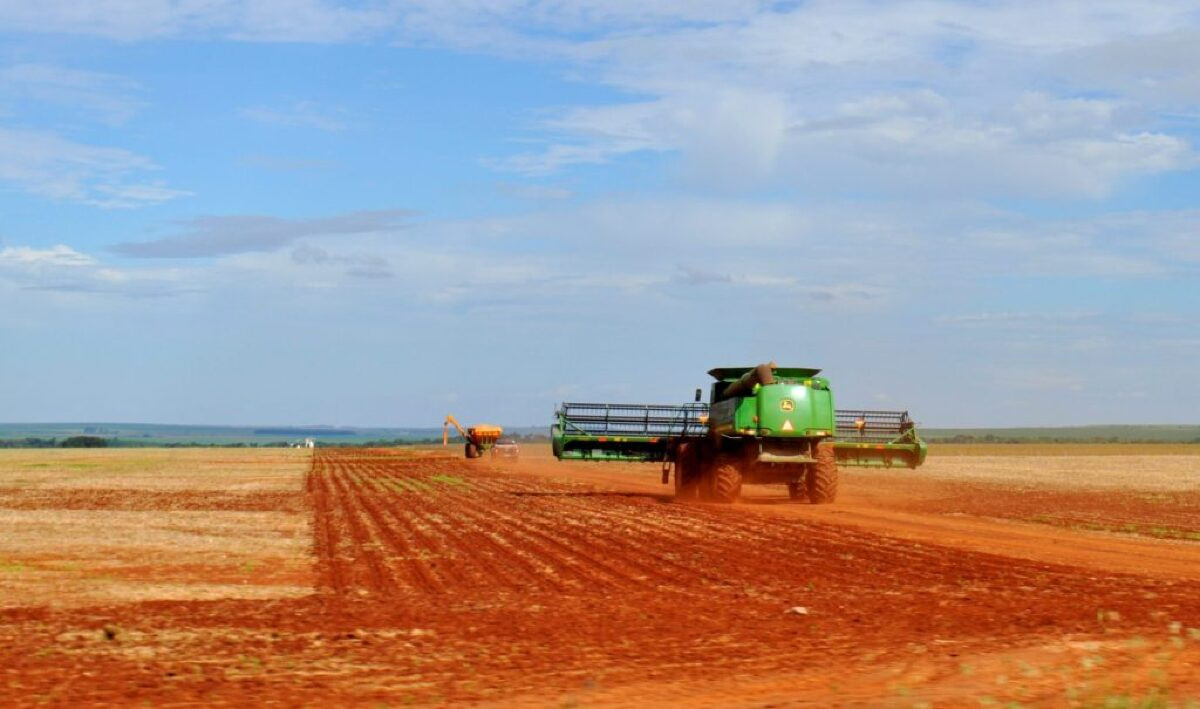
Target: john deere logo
[{"x": 787, "y": 405}]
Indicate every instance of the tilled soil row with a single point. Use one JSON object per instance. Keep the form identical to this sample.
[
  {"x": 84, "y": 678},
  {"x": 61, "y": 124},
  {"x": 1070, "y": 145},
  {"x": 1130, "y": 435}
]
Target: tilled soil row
[{"x": 442, "y": 579}]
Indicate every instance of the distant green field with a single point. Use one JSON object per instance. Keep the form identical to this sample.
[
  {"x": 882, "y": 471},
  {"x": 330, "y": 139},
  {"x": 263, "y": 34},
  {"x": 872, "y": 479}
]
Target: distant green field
[
  {"x": 134, "y": 434},
  {"x": 139, "y": 434},
  {"x": 1066, "y": 434}
]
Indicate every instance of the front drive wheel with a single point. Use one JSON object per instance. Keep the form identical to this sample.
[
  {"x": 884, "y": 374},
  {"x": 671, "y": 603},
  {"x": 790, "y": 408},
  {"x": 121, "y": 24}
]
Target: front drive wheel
[
  {"x": 726, "y": 480},
  {"x": 822, "y": 477}
]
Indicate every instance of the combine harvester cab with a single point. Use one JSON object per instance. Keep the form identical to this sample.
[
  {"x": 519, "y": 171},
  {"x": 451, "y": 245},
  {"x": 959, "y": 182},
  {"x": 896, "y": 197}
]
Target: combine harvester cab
[{"x": 762, "y": 425}]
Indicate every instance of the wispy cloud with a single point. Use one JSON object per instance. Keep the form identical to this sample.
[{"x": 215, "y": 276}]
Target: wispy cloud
[
  {"x": 246, "y": 20},
  {"x": 597, "y": 135},
  {"x": 1160, "y": 68},
  {"x": 358, "y": 265},
  {"x": 56, "y": 256},
  {"x": 1033, "y": 145},
  {"x": 210, "y": 236},
  {"x": 815, "y": 95},
  {"x": 48, "y": 165},
  {"x": 692, "y": 276},
  {"x": 635, "y": 247},
  {"x": 818, "y": 96},
  {"x": 62, "y": 269},
  {"x": 303, "y": 114},
  {"x": 110, "y": 98}
]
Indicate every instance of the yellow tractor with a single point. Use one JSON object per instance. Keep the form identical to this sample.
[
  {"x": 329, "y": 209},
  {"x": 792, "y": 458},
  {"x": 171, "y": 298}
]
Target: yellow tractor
[{"x": 479, "y": 439}]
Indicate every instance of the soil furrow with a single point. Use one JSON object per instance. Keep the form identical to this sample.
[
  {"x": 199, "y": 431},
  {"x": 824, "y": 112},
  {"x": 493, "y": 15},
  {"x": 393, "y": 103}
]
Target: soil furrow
[
  {"x": 378, "y": 580},
  {"x": 513, "y": 566},
  {"x": 552, "y": 556},
  {"x": 567, "y": 546},
  {"x": 473, "y": 536},
  {"x": 644, "y": 554},
  {"x": 331, "y": 572},
  {"x": 431, "y": 560},
  {"x": 413, "y": 550}
]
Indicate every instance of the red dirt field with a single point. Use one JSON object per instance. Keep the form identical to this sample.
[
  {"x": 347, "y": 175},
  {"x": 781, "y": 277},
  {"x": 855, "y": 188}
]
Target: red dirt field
[
  {"x": 443, "y": 580},
  {"x": 1166, "y": 515},
  {"x": 125, "y": 499}
]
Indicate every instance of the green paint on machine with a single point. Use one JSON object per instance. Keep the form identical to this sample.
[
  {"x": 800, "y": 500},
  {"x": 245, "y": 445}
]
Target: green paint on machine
[{"x": 764, "y": 424}]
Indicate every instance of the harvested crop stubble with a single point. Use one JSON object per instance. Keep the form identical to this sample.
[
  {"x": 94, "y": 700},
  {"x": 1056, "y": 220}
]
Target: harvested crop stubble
[
  {"x": 1162, "y": 472},
  {"x": 182, "y": 469},
  {"x": 103, "y": 526}
]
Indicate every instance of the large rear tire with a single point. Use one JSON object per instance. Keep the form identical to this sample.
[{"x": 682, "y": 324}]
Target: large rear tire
[
  {"x": 687, "y": 472},
  {"x": 822, "y": 477},
  {"x": 726, "y": 480},
  {"x": 472, "y": 450}
]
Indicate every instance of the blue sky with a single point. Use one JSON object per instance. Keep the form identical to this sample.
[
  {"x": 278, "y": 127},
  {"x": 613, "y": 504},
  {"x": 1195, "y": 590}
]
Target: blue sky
[{"x": 373, "y": 213}]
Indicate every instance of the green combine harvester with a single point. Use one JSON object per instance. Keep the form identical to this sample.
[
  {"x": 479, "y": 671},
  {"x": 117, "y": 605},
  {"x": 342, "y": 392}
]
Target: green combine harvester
[{"x": 762, "y": 425}]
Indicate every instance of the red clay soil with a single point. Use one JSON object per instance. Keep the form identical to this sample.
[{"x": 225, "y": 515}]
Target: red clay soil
[
  {"x": 1166, "y": 515},
  {"x": 1152, "y": 536},
  {"x": 439, "y": 579},
  {"x": 141, "y": 500}
]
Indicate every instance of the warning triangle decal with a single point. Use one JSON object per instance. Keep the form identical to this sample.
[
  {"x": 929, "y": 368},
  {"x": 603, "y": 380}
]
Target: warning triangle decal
[{"x": 787, "y": 425}]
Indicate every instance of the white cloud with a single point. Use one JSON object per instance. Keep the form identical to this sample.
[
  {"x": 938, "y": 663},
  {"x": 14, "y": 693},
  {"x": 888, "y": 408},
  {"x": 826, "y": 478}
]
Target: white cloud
[
  {"x": 597, "y": 135},
  {"x": 877, "y": 255},
  {"x": 1039, "y": 147},
  {"x": 1121, "y": 245},
  {"x": 733, "y": 132},
  {"x": 63, "y": 270},
  {"x": 831, "y": 257},
  {"x": 56, "y": 256},
  {"x": 108, "y": 97},
  {"x": 1161, "y": 69},
  {"x": 222, "y": 235},
  {"x": 51, "y": 166},
  {"x": 918, "y": 142},
  {"x": 116, "y": 19},
  {"x": 305, "y": 114},
  {"x": 249, "y": 20},
  {"x": 720, "y": 82},
  {"x": 308, "y": 20},
  {"x": 811, "y": 96},
  {"x": 358, "y": 265}
]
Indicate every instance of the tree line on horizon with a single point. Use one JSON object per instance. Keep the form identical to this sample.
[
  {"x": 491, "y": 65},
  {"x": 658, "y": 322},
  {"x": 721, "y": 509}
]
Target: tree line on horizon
[{"x": 115, "y": 442}]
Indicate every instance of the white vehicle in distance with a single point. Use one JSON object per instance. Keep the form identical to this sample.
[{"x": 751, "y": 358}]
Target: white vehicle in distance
[{"x": 506, "y": 448}]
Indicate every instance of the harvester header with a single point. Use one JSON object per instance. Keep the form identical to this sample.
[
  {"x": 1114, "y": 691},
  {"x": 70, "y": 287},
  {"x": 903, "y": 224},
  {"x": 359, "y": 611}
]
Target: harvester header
[{"x": 762, "y": 424}]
